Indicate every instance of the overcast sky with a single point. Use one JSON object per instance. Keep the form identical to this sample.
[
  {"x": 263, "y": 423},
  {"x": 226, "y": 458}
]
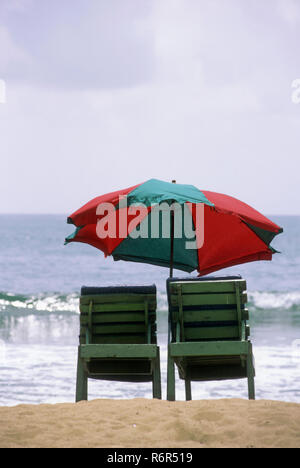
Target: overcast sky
[{"x": 104, "y": 94}]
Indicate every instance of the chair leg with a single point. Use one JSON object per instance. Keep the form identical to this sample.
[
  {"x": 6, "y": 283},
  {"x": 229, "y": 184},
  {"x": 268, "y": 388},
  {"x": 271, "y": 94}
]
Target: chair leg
[
  {"x": 82, "y": 381},
  {"x": 171, "y": 379},
  {"x": 188, "y": 390},
  {"x": 250, "y": 374},
  {"x": 157, "y": 377}
]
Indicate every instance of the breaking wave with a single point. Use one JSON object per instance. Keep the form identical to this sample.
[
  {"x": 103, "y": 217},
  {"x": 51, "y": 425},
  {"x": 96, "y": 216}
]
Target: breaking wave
[
  {"x": 39, "y": 303},
  {"x": 18, "y": 304},
  {"x": 274, "y": 300}
]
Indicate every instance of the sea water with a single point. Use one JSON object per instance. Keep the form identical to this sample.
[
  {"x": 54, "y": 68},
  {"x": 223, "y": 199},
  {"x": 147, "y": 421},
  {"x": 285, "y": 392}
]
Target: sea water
[{"x": 40, "y": 281}]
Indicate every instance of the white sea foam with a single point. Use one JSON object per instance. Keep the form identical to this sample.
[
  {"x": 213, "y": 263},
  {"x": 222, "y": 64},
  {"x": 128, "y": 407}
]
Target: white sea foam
[
  {"x": 274, "y": 300},
  {"x": 48, "y": 303},
  {"x": 70, "y": 303}
]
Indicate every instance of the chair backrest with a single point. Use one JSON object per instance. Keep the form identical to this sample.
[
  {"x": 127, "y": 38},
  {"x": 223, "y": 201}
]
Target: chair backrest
[
  {"x": 118, "y": 315},
  {"x": 208, "y": 309}
]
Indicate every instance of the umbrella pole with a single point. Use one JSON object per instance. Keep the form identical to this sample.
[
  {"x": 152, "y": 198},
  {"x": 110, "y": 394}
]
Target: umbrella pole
[
  {"x": 172, "y": 245},
  {"x": 172, "y": 240}
]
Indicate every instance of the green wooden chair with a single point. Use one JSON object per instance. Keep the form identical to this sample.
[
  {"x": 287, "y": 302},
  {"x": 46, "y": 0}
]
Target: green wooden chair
[
  {"x": 118, "y": 337},
  {"x": 208, "y": 332}
]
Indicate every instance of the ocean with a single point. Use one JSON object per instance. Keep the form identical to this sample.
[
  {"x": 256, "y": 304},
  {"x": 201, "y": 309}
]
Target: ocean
[{"x": 40, "y": 282}]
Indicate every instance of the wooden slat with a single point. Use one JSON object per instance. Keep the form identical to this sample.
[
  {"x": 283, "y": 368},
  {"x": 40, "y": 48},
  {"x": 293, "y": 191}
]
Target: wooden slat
[
  {"x": 120, "y": 367},
  {"x": 116, "y": 307},
  {"x": 121, "y": 339},
  {"x": 115, "y": 298},
  {"x": 245, "y": 314},
  {"x": 118, "y": 329},
  {"x": 208, "y": 299},
  {"x": 215, "y": 360},
  {"x": 126, "y": 317},
  {"x": 118, "y": 351},
  {"x": 209, "y": 315},
  {"x": 190, "y": 287},
  {"x": 209, "y": 333},
  {"x": 216, "y": 348}
]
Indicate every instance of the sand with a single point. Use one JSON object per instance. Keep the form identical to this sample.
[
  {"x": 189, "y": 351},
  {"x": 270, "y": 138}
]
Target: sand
[{"x": 142, "y": 423}]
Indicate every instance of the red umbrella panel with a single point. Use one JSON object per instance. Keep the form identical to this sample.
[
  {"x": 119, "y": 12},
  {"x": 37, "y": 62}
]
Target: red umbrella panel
[{"x": 227, "y": 231}]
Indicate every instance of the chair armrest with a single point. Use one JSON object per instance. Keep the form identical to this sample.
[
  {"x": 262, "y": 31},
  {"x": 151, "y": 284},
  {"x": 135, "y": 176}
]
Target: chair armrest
[
  {"x": 118, "y": 351},
  {"x": 216, "y": 348}
]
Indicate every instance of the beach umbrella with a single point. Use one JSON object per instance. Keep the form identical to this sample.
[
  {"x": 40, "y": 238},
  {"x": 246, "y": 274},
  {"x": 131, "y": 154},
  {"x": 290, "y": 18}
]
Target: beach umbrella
[{"x": 176, "y": 226}]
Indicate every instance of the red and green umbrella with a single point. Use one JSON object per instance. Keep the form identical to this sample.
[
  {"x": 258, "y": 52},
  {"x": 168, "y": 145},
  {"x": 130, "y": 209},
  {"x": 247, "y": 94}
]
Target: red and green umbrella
[{"x": 231, "y": 231}]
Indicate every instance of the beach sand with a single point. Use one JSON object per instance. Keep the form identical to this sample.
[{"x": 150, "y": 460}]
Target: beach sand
[{"x": 142, "y": 423}]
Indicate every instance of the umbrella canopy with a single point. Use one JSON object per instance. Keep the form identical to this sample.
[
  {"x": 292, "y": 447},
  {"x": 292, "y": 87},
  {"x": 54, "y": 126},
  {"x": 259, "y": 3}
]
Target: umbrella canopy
[{"x": 175, "y": 225}]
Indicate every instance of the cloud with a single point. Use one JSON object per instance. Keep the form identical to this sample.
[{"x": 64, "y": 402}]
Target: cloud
[
  {"x": 13, "y": 58},
  {"x": 289, "y": 10},
  {"x": 65, "y": 148},
  {"x": 16, "y": 6},
  {"x": 193, "y": 90},
  {"x": 75, "y": 44}
]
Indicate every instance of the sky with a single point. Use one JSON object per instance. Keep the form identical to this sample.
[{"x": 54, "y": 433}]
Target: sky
[{"x": 102, "y": 95}]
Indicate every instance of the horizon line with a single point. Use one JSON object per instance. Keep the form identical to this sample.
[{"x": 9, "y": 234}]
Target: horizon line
[{"x": 65, "y": 214}]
